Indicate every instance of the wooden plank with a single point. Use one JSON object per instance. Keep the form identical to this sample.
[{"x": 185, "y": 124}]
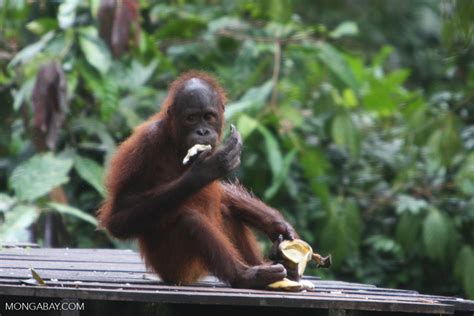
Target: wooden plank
[
  {"x": 120, "y": 274},
  {"x": 72, "y": 265},
  {"x": 408, "y": 296},
  {"x": 82, "y": 258},
  {"x": 393, "y": 295},
  {"x": 78, "y": 275},
  {"x": 69, "y": 251},
  {"x": 19, "y": 245},
  {"x": 193, "y": 297}
]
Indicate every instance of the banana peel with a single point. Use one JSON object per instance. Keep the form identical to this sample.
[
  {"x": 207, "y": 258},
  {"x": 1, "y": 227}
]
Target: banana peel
[{"x": 296, "y": 254}]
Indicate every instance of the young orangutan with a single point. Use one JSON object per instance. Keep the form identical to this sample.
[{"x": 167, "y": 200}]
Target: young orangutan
[{"x": 187, "y": 221}]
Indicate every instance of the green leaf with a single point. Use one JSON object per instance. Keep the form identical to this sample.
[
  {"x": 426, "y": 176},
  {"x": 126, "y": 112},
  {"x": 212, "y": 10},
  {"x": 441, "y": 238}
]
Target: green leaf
[
  {"x": 411, "y": 204},
  {"x": 37, "y": 277},
  {"x": 347, "y": 28},
  {"x": 436, "y": 234},
  {"x": 290, "y": 115},
  {"x": 462, "y": 262},
  {"x": 332, "y": 58},
  {"x": 274, "y": 156},
  {"x": 23, "y": 94},
  {"x": 407, "y": 232},
  {"x": 39, "y": 175},
  {"x": 94, "y": 7},
  {"x": 382, "y": 56},
  {"x": 445, "y": 142},
  {"x": 6, "y": 202},
  {"x": 464, "y": 179},
  {"x": 254, "y": 98},
  {"x": 345, "y": 133},
  {"x": 17, "y": 221},
  {"x": 397, "y": 77},
  {"x": 316, "y": 166},
  {"x": 69, "y": 210},
  {"x": 42, "y": 25},
  {"x": 90, "y": 171},
  {"x": 379, "y": 98},
  {"x": 353, "y": 222},
  {"x": 136, "y": 75},
  {"x": 337, "y": 247},
  {"x": 469, "y": 278},
  {"x": 349, "y": 98},
  {"x": 32, "y": 50},
  {"x": 383, "y": 243},
  {"x": 95, "y": 51},
  {"x": 67, "y": 13},
  {"x": 246, "y": 125},
  {"x": 281, "y": 177}
]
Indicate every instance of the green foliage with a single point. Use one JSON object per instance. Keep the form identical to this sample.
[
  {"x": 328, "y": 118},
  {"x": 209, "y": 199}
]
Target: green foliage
[
  {"x": 359, "y": 131},
  {"x": 91, "y": 172},
  {"x": 436, "y": 230},
  {"x": 94, "y": 49},
  {"x": 16, "y": 223},
  {"x": 39, "y": 175},
  {"x": 66, "y": 209}
]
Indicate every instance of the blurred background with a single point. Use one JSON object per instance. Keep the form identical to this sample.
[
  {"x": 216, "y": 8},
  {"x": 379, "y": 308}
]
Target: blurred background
[{"x": 357, "y": 119}]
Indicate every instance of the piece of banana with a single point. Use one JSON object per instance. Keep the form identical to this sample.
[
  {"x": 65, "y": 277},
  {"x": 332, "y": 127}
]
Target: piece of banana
[
  {"x": 194, "y": 151},
  {"x": 295, "y": 254},
  {"x": 286, "y": 285}
]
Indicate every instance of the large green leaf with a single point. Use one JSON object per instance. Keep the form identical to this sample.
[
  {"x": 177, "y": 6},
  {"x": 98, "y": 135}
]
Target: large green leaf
[
  {"x": 246, "y": 125},
  {"x": 42, "y": 25},
  {"x": 254, "y": 98},
  {"x": 69, "y": 210},
  {"x": 315, "y": 166},
  {"x": 37, "y": 176},
  {"x": 353, "y": 221},
  {"x": 23, "y": 93},
  {"x": 462, "y": 262},
  {"x": 331, "y": 57},
  {"x": 282, "y": 175},
  {"x": 97, "y": 54},
  {"x": 379, "y": 98},
  {"x": 345, "y": 133},
  {"x": 347, "y": 28},
  {"x": 463, "y": 269},
  {"x": 90, "y": 171},
  {"x": 445, "y": 142},
  {"x": 6, "y": 202},
  {"x": 407, "y": 232},
  {"x": 380, "y": 58},
  {"x": 17, "y": 221},
  {"x": 465, "y": 177},
  {"x": 408, "y": 203},
  {"x": 334, "y": 239},
  {"x": 469, "y": 277},
  {"x": 67, "y": 13},
  {"x": 32, "y": 50},
  {"x": 436, "y": 234},
  {"x": 291, "y": 115},
  {"x": 274, "y": 156}
]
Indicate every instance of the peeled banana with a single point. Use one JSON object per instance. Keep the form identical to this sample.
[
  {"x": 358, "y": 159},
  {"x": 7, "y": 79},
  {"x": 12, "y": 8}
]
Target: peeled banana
[{"x": 194, "y": 151}]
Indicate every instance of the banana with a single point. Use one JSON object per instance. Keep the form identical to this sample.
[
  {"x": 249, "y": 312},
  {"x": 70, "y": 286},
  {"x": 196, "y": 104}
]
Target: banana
[{"x": 194, "y": 151}]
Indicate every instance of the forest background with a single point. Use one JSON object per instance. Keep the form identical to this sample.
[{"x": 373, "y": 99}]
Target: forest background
[{"x": 357, "y": 119}]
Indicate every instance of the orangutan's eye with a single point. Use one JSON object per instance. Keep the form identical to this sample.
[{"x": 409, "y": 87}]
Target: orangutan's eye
[{"x": 210, "y": 117}]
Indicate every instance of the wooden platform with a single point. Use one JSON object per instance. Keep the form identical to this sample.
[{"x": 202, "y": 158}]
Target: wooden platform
[{"x": 119, "y": 275}]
